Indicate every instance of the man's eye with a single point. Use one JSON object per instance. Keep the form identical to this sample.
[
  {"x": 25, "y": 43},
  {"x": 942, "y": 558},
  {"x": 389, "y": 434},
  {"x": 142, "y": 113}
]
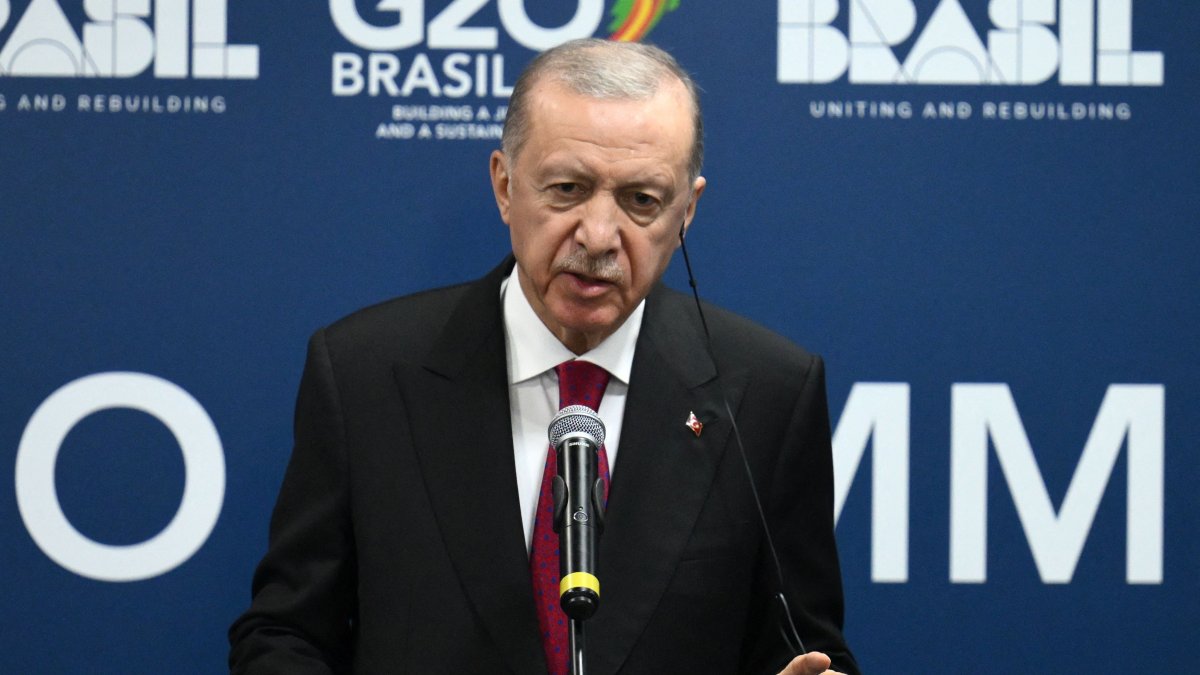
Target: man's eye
[
  {"x": 643, "y": 200},
  {"x": 567, "y": 188}
]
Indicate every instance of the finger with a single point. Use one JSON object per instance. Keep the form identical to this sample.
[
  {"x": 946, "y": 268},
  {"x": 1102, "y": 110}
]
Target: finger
[{"x": 812, "y": 663}]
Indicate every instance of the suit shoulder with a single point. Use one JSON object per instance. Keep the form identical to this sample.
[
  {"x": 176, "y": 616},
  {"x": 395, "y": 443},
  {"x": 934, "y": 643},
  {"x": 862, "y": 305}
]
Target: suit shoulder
[
  {"x": 739, "y": 342},
  {"x": 405, "y": 324}
]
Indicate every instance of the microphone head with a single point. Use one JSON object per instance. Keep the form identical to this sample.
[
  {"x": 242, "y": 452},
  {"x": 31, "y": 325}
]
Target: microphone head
[{"x": 573, "y": 420}]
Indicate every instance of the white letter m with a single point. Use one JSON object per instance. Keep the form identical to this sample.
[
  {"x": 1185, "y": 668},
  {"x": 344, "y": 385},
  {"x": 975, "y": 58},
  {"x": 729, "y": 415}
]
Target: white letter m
[{"x": 1133, "y": 412}]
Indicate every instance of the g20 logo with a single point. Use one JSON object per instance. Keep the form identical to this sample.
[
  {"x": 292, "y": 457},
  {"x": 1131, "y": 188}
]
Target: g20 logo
[
  {"x": 630, "y": 20},
  {"x": 468, "y": 62}
]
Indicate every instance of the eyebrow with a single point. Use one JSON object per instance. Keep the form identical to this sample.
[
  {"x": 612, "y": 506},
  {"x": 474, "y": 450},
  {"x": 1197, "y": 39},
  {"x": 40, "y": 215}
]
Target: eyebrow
[{"x": 577, "y": 170}]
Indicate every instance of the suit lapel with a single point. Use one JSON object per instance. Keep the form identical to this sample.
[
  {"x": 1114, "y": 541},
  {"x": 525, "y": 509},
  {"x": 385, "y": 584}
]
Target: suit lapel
[
  {"x": 662, "y": 478},
  {"x": 458, "y": 398}
]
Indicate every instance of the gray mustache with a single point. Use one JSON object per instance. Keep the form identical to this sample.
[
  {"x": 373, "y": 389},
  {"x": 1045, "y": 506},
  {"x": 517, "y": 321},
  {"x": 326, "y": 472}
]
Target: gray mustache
[{"x": 602, "y": 268}]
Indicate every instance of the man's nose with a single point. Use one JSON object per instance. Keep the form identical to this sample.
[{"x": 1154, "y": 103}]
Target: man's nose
[{"x": 599, "y": 228}]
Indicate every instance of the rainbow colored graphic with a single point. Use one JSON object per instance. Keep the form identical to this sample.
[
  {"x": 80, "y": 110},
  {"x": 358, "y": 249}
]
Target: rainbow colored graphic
[{"x": 633, "y": 20}]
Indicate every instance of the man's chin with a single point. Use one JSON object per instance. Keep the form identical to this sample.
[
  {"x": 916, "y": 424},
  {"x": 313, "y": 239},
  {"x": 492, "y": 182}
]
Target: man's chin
[{"x": 592, "y": 324}]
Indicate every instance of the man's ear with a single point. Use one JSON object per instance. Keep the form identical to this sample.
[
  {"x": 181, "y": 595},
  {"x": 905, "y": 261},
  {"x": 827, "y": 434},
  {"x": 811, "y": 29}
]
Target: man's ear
[
  {"x": 697, "y": 190},
  {"x": 501, "y": 182}
]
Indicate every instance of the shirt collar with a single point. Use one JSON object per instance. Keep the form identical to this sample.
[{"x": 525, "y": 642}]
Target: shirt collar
[{"x": 533, "y": 349}]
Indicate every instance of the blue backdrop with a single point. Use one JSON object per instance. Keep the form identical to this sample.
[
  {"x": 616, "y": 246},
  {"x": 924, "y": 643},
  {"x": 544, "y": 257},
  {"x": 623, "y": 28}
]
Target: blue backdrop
[{"x": 933, "y": 194}]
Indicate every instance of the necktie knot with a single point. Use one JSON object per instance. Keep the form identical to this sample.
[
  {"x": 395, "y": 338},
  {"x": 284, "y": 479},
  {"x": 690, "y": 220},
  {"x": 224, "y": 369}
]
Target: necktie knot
[{"x": 580, "y": 383}]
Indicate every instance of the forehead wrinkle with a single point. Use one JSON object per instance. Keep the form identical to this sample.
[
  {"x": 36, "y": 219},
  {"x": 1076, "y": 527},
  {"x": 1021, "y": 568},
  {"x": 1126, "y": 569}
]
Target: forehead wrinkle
[
  {"x": 633, "y": 111},
  {"x": 568, "y": 147}
]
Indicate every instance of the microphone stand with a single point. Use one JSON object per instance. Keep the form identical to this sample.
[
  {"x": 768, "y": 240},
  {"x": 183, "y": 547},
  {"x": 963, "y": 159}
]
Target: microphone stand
[{"x": 577, "y": 645}]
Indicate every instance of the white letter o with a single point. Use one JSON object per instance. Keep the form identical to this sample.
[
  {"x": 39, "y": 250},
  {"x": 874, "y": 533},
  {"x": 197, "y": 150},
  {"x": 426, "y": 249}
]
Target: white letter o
[{"x": 203, "y": 487}]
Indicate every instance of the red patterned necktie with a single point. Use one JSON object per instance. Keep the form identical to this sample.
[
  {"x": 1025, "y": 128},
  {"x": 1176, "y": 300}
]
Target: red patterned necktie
[{"x": 579, "y": 383}]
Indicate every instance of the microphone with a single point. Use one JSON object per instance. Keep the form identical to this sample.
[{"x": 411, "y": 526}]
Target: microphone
[{"x": 576, "y": 434}]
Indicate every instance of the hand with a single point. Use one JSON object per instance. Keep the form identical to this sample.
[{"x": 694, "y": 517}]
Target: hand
[{"x": 812, "y": 663}]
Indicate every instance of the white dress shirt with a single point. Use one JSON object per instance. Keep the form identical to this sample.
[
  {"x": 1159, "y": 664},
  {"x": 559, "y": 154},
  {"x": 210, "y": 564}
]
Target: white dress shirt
[{"x": 533, "y": 352}]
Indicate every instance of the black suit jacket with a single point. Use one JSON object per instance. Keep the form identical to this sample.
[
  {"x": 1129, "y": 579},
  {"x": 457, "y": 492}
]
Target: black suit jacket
[{"x": 397, "y": 547}]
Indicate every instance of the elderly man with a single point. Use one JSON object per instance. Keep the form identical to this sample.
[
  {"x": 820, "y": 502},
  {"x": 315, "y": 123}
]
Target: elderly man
[{"x": 411, "y": 532}]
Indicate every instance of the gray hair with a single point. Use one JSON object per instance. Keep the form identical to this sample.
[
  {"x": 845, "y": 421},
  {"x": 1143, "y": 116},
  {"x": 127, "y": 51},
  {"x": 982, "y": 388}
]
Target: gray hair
[{"x": 602, "y": 69}]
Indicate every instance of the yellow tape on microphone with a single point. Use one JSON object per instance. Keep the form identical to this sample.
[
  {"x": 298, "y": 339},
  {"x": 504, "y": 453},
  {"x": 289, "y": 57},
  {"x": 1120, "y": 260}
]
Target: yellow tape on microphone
[{"x": 579, "y": 580}]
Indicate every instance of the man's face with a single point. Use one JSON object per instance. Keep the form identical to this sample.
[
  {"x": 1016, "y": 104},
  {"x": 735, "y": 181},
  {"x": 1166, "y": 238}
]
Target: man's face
[{"x": 594, "y": 202}]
